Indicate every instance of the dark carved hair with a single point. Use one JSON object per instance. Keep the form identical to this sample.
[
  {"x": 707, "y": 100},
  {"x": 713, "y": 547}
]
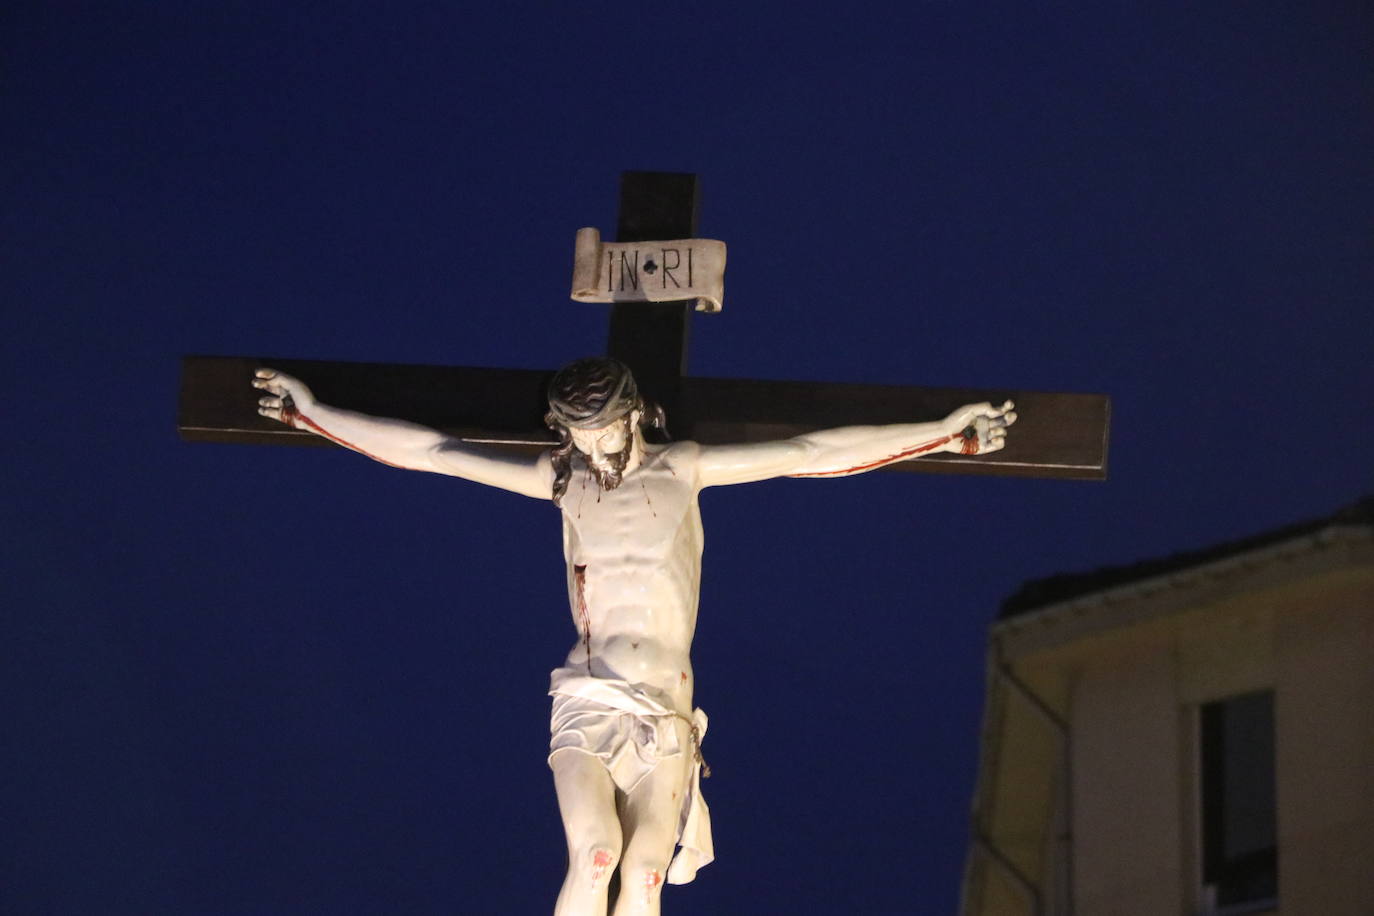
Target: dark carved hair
[{"x": 593, "y": 393}]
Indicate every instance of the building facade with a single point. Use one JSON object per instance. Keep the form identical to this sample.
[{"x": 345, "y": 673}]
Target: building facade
[{"x": 1192, "y": 735}]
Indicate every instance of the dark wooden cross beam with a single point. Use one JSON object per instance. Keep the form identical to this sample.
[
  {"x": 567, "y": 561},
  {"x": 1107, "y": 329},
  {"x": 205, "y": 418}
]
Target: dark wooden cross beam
[{"x": 1056, "y": 435}]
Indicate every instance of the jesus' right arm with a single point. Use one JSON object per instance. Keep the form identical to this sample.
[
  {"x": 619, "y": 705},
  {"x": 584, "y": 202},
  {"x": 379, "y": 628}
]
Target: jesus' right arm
[{"x": 399, "y": 443}]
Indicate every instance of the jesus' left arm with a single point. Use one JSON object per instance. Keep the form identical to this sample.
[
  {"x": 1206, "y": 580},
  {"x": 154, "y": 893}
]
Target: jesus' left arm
[{"x": 974, "y": 429}]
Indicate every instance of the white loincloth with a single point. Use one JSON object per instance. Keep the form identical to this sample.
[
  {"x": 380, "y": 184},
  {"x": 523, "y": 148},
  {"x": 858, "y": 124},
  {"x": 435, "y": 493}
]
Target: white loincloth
[{"x": 630, "y": 728}]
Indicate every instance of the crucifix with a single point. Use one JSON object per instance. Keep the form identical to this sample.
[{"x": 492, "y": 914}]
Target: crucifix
[{"x": 626, "y": 740}]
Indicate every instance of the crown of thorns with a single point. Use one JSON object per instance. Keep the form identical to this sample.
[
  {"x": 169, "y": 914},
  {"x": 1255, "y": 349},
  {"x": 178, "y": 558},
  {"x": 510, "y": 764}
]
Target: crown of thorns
[{"x": 592, "y": 393}]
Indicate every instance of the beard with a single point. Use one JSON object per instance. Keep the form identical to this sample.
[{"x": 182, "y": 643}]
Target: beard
[{"x": 611, "y": 475}]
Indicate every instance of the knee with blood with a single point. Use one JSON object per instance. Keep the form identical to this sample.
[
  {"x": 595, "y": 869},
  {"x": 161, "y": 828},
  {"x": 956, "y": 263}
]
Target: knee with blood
[
  {"x": 599, "y": 862},
  {"x": 651, "y": 882}
]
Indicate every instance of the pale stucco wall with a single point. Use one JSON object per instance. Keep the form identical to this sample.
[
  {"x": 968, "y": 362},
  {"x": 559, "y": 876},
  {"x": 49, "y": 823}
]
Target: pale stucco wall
[
  {"x": 1133, "y": 704},
  {"x": 1324, "y": 711},
  {"x": 1126, "y": 773}
]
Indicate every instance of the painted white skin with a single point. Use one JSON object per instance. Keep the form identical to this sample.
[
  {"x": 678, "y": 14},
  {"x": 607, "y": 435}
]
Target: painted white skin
[{"x": 635, "y": 551}]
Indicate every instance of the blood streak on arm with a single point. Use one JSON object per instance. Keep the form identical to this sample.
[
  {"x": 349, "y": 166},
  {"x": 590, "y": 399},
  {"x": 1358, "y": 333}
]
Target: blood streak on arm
[
  {"x": 906, "y": 453},
  {"x": 290, "y": 416}
]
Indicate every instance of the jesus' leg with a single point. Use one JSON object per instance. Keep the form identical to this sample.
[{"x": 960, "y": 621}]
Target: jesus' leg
[
  {"x": 586, "y": 801},
  {"x": 649, "y": 817}
]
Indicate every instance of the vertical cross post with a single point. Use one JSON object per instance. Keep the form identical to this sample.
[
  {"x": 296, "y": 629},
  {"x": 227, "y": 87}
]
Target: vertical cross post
[{"x": 651, "y": 337}]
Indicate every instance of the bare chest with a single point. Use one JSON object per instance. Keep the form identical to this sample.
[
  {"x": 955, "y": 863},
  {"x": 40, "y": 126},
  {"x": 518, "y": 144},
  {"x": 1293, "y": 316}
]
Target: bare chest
[{"x": 645, "y": 519}]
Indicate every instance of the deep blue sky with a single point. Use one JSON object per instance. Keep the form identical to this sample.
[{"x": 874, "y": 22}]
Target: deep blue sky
[{"x": 278, "y": 681}]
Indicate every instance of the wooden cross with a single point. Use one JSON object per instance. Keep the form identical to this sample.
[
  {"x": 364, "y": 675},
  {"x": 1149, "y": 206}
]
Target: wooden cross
[{"x": 1056, "y": 435}]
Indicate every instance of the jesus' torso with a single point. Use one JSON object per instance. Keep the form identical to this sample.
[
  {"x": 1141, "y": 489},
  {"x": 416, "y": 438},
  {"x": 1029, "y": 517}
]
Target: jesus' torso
[{"x": 634, "y": 569}]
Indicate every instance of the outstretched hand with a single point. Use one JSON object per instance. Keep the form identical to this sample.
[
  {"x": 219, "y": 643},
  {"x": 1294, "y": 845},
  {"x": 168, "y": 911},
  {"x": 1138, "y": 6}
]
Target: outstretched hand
[
  {"x": 286, "y": 395},
  {"x": 981, "y": 428}
]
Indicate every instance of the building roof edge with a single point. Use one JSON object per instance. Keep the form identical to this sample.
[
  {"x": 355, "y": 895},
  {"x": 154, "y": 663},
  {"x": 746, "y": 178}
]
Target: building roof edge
[{"x": 1039, "y": 598}]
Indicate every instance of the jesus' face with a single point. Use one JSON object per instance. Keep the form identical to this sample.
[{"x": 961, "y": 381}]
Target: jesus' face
[{"x": 600, "y": 445}]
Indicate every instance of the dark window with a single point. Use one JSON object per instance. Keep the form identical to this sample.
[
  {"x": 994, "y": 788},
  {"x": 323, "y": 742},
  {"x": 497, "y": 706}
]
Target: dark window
[{"x": 1239, "y": 843}]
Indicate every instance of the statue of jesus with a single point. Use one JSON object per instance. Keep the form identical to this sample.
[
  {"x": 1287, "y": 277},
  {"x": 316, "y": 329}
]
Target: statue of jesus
[{"x": 625, "y": 745}]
